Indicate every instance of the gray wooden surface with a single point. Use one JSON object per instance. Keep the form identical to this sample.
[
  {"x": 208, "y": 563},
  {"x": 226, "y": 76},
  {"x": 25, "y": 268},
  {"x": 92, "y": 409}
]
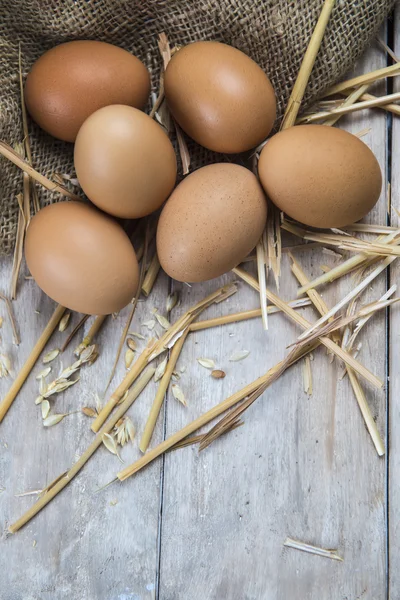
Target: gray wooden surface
[
  {"x": 211, "y": 526},
  {"x": 393, "y": 479}
]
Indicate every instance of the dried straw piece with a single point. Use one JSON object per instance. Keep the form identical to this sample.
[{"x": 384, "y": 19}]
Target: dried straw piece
[
  {"x": 162, "y": 388},
  {"x": 372, "y": 248},
  {"x": 289, "y": 543},
  {"x": 93, "y": 331},
  {"x": 272, "y": 247},
  {"x": 155, "y": 348},
  {"x": 363, "y": 132},
  {"x": 14, "y": 157},
  {"x": 315, "y": 298},
  {"x": 19, "y": 245},
  {"x": 366, "y": 411},
  {"x": 388, "y": 50},
  {"x": 358, "y": 391},
  {"x": 62, "y": 481},
  {"x": 359, "y": 288},
  {"x": 301, "y": 247},
  {"x": 312, "y": 294},
  {"x": 165, "y": 51},
  {"x": 339, "y": 321},
  {"x": 164, "y": 48},
  {"x": 345, "y": 110},
  {"x": 227, "y": 421},
  {"x": 134, "y": 304},
  {"x": 362, "y": 322},
  {"x": 128, "y": 380},
  {"x": 335, "y": 273},
  {"x": 370, "y": 228},
  {"x": 27, "y": 144},
  {"x": 343, "y": 355},
  {"x": 151, "y": 275},
  {"x": 243, "y": 316},
  {"x": 289, "y": 119},
  {"x": 307, "y": 375},
  {"x": 347, "y": 266},
  {"x": 392, "y": 108},
  {"x": 196, "y": 439},
  {"x": 214, "y": 412},
  {"x": 379, "y": 246},
  {"x": 367, "y": 78},
  {"x": 74, "y": 332},
  {"x": 177, "y": 329},
  {"x": 351, "y": 99},
  {"x": 30, "y": 363},
  {"x": 183, "y": 149},
  {"x": 307, "y": 64},
  {"x": 262, "y": 253}
]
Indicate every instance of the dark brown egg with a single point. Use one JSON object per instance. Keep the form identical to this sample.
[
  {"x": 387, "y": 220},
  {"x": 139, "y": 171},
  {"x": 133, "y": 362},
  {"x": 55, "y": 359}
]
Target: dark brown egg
[
  {"x": 124, "y": 161},
  {"x": 81, "y": 258},
  {"x": 321, "y": 176},
  {"x": 69, "y": 82},
  {"x": 210, "y": 223},
  {"x": 220, "y": 97}
]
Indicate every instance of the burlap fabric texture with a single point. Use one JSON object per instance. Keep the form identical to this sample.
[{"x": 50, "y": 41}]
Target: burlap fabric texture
[{"x": 275, "y": 33}]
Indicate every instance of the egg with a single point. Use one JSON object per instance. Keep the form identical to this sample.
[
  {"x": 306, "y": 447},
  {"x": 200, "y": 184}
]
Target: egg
[
  {"x": 71, "y": 81},
  {"x": 81, "y": 258},
  {"x": 210, "y": 223},
  {"x": 220, "y": 97},
  {"x": 124, "y": 161},
  {"x": 319, "y": 175}
]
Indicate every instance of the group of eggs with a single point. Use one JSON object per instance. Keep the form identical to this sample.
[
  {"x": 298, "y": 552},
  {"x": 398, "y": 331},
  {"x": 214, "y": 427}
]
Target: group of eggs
[{"x": 92, "y": 93}]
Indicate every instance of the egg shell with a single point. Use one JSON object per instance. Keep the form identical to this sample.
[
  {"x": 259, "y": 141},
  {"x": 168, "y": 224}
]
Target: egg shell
[
  {"x": 81, "y": 258},
  {"x": 220, "y": 97},
  {"x": 210, "y": 223},
  {"x": 124, "y": 162},
  {"x": 319, "y": 175},
  {"x": 71, "y": 81}
]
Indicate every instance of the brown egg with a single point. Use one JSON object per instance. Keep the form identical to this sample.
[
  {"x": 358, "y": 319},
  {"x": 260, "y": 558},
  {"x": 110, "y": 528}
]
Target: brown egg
[
  {"x": 321, "y": 176},
  {"x": 81, "y": 258},
  {"x": 124, "y": 161},
  {"x": 210, "y": 223},
  {"x": 69, "y": 82},
  {"x": 220, "y": 97}
]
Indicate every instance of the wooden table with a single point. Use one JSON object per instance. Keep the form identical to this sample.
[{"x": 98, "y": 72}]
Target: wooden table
[{"x": 211, "y": 526}]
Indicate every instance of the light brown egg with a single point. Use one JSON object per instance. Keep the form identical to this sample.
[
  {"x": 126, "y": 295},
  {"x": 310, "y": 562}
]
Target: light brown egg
[
  {"x": 69, "y": 82},
  {"x": 210, "y": 223},
  {"x": 321, "y": 176},
  {"x": 220, "y": 97},
  {"x": 81, "y": 258},
  {"x": 124, "y": 161}
]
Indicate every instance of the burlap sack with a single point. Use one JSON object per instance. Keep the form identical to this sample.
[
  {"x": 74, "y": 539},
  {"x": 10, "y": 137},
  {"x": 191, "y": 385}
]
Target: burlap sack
[{"x": 275, "y": 33}]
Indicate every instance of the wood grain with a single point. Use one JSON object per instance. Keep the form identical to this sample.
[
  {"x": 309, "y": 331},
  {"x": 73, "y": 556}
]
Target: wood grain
[
  {"x": 394, "y": 389},
  {"x": 300, "y": 467},
  {"x": 211, "y": 526},
  {"x": 88, "y": 545}
]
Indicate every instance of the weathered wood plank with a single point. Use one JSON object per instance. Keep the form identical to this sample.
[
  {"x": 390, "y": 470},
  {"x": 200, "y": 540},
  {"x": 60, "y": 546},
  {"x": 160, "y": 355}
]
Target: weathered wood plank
[
  {"x": 87, "y": 545},
  {"x": 394, "y": 353},
  {"x": 300, "y": 467}
]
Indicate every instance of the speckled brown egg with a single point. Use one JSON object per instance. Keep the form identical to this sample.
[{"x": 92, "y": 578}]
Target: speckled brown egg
[
  {"x": 81, "y": 258},
  {"x": 124, "y": 161},
  {"x": 220, "y": 97},
  {"x": 321, "y": 176},
  {"x": 210, "y": 223},
  {"x": 69, "y": 82}
]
